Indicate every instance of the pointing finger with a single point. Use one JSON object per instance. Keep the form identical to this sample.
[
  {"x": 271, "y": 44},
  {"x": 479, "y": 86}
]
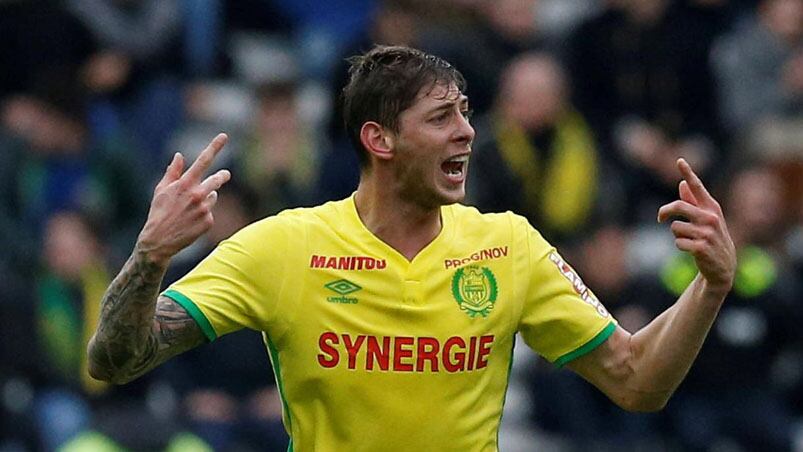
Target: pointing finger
[
  {"x": 696, "y": 186},
  {"x": 207, "y": 156}
]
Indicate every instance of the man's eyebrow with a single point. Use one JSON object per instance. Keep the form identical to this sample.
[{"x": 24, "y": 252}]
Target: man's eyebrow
[{"x": 447, "y": 104}]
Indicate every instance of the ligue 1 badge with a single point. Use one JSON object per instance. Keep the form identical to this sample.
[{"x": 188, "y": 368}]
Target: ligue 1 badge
[{"x": 474, "y": 289}]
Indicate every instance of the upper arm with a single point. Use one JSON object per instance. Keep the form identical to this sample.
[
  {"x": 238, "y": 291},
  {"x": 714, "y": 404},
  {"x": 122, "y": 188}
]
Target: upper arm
[
  {"x": 609, "y": 367},
  {"x": 174, "y": 329},
  {"x": 561, "y": 318}
]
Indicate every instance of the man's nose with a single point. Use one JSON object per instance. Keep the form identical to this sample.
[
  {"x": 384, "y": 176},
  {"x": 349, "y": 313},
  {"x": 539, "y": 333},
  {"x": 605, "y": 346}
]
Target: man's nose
[{"x": 465, "y": 132}]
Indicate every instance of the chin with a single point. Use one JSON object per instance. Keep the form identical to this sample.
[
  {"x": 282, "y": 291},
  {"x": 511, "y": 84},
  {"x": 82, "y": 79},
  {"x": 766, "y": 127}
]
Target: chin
[{"x": 452, "y": 196}]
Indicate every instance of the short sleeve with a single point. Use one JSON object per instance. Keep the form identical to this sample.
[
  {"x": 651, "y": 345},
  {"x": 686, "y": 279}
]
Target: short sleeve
[
  {"x": 235, "y": 286},
  {"x": 561, "y": 319}
]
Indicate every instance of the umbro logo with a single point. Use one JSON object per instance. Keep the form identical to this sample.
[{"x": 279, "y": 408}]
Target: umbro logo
[{"x": 342, "y": 287}]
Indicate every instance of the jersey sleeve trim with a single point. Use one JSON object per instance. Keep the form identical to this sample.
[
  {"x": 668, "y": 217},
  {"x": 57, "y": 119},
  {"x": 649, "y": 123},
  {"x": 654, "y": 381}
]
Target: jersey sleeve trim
[
  {"x": 601, "y": 337},
  {"x": 194, "y": 312}
]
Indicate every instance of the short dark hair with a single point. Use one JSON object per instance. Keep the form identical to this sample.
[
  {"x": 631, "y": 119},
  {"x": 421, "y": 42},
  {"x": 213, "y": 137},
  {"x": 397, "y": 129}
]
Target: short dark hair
[{"x": 384, "y": 82}]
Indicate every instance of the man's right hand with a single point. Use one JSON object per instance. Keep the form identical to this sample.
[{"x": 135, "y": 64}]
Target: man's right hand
[{"x": 181, "y": 209}]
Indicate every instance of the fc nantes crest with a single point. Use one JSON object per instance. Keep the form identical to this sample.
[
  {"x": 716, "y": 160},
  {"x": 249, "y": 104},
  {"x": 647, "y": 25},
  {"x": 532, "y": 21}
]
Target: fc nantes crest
[{"x": 475, "y": 290}]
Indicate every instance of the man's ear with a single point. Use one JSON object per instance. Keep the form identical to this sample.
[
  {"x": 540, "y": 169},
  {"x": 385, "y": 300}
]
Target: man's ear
[{"x": 377, "y": 140}]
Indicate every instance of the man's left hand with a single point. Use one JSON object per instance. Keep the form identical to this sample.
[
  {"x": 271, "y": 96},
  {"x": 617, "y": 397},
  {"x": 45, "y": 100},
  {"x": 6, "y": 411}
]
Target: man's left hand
[{"x": 702, "y": 230}]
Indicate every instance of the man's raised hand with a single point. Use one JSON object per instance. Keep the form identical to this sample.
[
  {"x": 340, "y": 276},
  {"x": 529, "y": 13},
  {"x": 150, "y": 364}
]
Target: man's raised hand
[
  {"x": 181, "y": 209},
  {"x": 702, "y": 231}
]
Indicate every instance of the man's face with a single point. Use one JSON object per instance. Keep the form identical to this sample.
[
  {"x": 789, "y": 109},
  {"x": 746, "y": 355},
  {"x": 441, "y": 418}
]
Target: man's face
[
  {"x": 432, "y": 147},
  {"x": 533, "y": 93}
]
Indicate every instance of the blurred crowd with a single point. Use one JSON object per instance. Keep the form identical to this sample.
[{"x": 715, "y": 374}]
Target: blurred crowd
[{"x": 581, "y": 109}]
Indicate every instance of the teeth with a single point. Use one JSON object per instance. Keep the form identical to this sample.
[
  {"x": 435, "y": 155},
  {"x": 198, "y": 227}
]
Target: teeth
[
  {"x": 459, "y": 158},
  {"x": 456, "y": 165}
]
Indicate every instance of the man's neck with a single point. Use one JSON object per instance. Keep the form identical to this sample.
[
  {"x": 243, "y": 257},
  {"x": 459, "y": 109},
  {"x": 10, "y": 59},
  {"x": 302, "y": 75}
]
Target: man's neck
[{"x": 405, "y": 226}]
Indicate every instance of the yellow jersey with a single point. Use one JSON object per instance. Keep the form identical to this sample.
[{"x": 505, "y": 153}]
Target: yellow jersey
[{"x": 375, "y": 352}]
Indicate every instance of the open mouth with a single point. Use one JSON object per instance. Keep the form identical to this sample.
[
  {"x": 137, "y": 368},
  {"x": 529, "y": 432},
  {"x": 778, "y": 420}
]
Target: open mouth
[{"x": 455, "y": 166}]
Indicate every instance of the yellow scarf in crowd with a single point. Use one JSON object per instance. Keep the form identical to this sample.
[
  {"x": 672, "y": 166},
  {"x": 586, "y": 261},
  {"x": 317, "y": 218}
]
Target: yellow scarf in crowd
[
  {"x": 560, "y": 191},
  {"x": 64, "y": 330}
]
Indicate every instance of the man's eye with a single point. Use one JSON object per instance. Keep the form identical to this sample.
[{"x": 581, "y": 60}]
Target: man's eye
[
  {"x": 440, "y": 117},
  {"x": 468, "y": 114}
]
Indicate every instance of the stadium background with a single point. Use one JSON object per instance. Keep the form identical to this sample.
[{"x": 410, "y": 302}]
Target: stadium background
[{"x": 581, "y": 108}]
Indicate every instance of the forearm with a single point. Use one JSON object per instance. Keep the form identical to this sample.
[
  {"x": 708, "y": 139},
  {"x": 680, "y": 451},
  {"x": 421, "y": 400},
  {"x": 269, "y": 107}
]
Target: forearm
[
  {"x": 124, "y": 342},
  {"x": 138, "y": 330},
  {"x": 663, "y": 351},
  {"x": 641, "y": 371}
]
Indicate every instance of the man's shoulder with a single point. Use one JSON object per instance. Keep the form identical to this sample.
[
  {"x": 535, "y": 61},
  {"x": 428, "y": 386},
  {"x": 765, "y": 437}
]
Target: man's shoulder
[
  {"x": 294, "y": 220},
  {"x": 472, "y": 213},
  {"x": 469, "y": 217}
]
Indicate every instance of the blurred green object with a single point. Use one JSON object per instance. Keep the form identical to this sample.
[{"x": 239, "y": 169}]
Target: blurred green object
[{"x": 756, "y": 272}]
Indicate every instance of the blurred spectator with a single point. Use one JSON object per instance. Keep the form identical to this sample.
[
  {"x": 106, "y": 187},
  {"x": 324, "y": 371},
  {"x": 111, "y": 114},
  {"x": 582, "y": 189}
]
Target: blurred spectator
[
  {"x": 71, "y": 410},
  {"x": 133, "y": 76},
  {"x": 760, "y": 66},
  {"x": 640, "y": 73},
  {"x": 48, "y": 163},
  {"x": 724, "y": 399},
  {"x": 498, "y": 32},
  {"x": 756, "y": 208},
  {"x": 535, "y": 155},
  {"x": 68, "y": 290},
  {"x": 226, "y": 389},
  {"x": 279, "y": 158}
]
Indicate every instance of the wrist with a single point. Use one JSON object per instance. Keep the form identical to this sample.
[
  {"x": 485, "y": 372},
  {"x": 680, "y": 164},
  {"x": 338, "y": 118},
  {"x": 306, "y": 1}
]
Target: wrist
[
  {"x": 715, "y": 290},
  {"x": 151, "y": 254}
]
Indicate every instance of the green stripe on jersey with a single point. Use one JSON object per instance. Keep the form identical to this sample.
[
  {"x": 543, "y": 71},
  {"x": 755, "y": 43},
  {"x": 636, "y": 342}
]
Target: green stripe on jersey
[
  {"x": 277, "y": 372},
  {"x": 589, "y": 346},
  {"x": 194, "y": 312}
]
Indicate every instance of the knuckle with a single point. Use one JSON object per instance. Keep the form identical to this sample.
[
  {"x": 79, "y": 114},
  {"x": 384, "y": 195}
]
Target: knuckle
[
  {"x": 197, "y": 196},
  {"x": 183, "y": 182},
  {"x": 710, "y": 218}
]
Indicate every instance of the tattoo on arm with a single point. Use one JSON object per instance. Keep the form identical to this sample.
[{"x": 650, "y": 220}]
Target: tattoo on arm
[{"x": 137, "y": 332}]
